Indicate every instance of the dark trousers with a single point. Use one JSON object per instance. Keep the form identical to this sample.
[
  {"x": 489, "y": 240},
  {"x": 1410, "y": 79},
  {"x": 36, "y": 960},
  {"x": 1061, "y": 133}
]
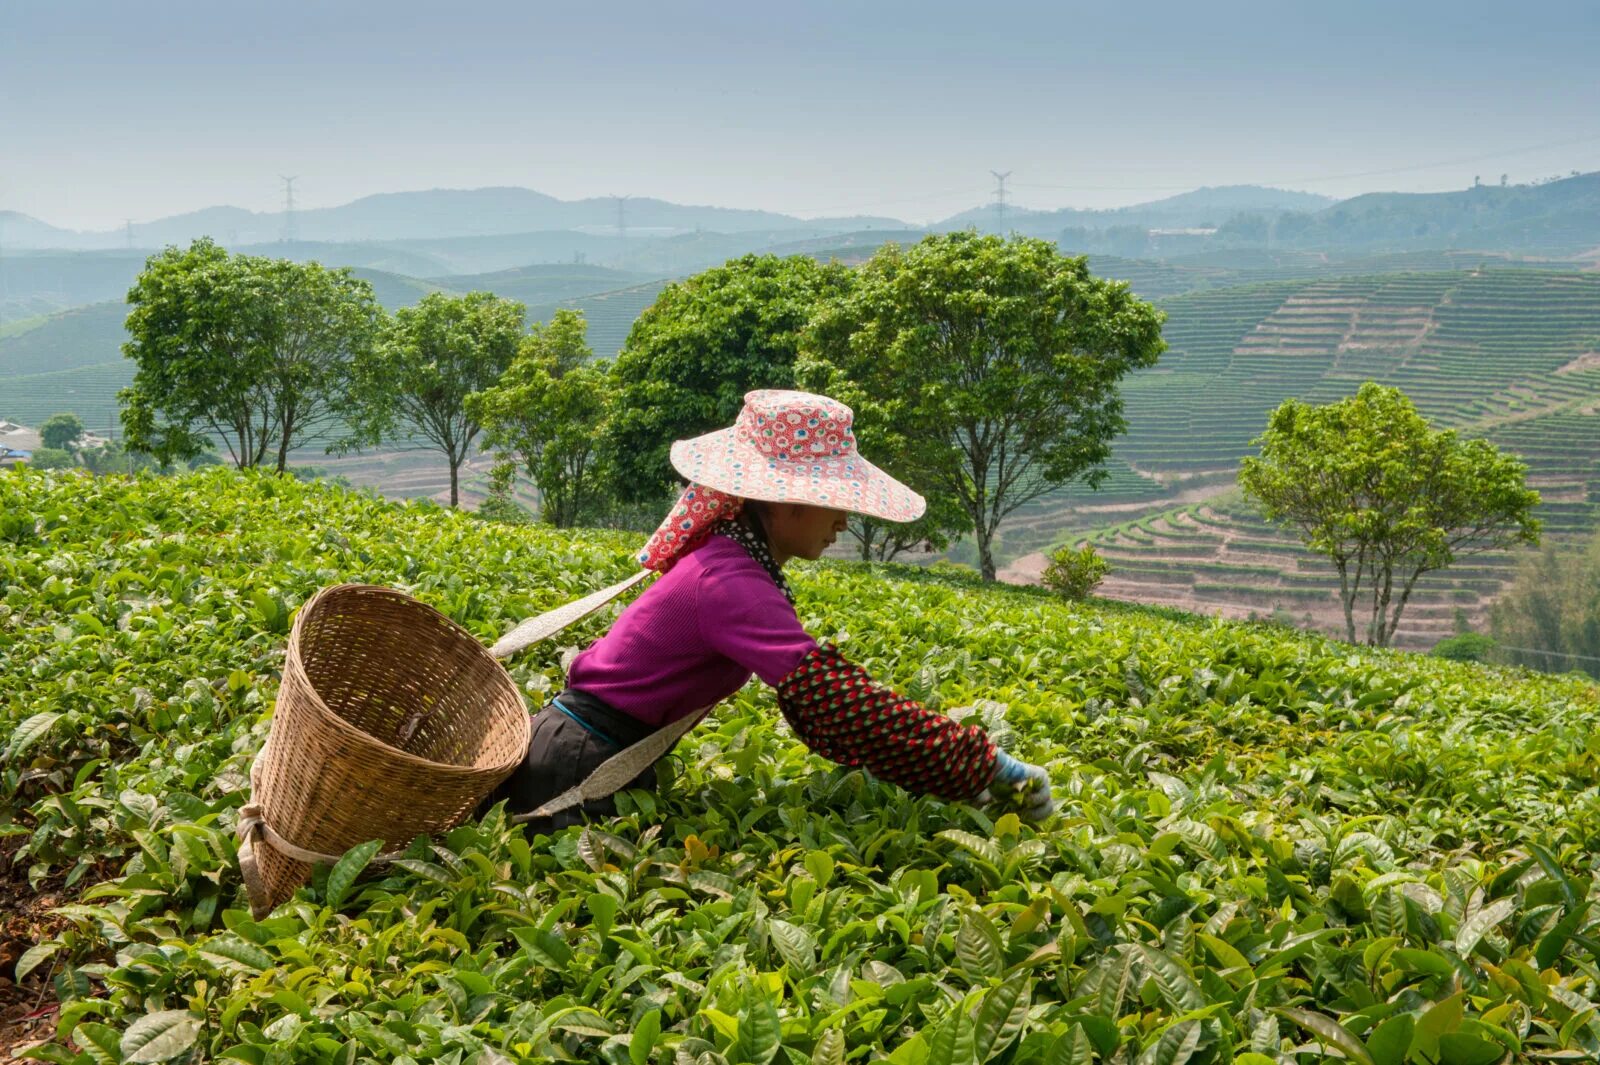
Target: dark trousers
[{"x": 562, "y": 752}]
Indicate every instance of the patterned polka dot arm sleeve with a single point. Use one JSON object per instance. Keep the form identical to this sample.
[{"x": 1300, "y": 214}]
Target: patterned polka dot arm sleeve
[{"x": 843, "y": 714}]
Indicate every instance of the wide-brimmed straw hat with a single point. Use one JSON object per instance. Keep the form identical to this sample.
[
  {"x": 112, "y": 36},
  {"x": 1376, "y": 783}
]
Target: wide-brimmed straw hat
[{"x": 795, "y": 447}]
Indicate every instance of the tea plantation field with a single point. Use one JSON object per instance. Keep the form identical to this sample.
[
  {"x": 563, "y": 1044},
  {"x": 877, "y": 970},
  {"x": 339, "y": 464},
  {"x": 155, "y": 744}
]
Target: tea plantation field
[{"x": 1269, "y": 848}]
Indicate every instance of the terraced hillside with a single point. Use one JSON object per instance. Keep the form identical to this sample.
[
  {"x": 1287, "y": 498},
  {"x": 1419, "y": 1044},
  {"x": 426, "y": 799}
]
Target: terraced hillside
[
  {"x": 1219, "y": 557},
  {"x": 1510, "y": 355},
  {"x": 610, "y": 314},
  {"x": 1477, "y": 348},
  {"x": 1161, "y": 279}
]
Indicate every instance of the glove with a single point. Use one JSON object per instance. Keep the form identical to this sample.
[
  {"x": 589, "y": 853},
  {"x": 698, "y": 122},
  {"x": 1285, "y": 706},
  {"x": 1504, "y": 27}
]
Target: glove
[{"x": 1029, "y": 784}]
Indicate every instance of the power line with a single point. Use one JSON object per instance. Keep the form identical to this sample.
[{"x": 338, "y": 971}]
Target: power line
[
  {"x": 288, "y": 208},
  {"x": 622, "y": 217},
  {"x": 1000, "y": 201}
]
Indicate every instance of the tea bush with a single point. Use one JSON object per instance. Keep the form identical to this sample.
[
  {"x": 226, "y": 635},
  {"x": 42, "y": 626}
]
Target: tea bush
[
  {"x": 1270, "y": 848},
  {"x": 1074, "y": 573}
]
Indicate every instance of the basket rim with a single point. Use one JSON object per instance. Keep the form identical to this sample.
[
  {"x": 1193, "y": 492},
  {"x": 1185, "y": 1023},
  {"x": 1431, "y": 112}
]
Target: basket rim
[{"x": 326, "y": 713}]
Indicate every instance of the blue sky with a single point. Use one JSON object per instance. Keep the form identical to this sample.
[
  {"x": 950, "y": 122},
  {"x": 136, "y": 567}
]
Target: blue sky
[{"x": 111, "y": 111}]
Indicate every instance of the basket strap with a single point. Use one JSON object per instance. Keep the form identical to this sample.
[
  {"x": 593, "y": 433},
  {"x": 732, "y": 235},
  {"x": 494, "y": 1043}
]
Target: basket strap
[
  {"x": 612, "y": 775},
  {"x": 253, "y": 830},
  {"x": 548, "y": 624}
]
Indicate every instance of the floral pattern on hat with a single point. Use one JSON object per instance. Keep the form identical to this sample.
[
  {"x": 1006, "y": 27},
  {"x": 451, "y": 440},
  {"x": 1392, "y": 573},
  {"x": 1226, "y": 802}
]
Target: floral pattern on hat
[{"x": 797, "y": 447}]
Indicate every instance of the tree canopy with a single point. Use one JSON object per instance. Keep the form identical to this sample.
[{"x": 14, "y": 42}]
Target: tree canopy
[
  {"x": 61, "y": 431},
  {"x": 692, "y": 356},
  {"x": 989, "y": 365},
  {"x": 543, "y": 416},
  {"x": 1368, "y": 483},
  {"x": 252, "y": 351},
  {"x": 410, "y": 389}
]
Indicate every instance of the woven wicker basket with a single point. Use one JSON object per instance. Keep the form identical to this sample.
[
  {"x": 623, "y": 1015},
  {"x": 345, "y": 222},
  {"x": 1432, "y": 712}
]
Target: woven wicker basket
[{"x": 392, "y": 721}]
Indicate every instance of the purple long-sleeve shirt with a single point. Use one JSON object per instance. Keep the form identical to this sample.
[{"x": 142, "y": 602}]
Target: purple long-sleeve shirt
[{"x": 694, "y": 637}]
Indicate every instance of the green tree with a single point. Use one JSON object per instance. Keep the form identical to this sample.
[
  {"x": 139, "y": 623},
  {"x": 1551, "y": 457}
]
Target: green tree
[
  {"x": 990, "y": 364},
  {"x": 694, "y": 353},
  {"x": 1368, "y": 483},
  {"x": 51, "y": 458},
  {"x": 1549, "y": 617},
  {"x": 61, "y": 431},
  {"x": 249, "y": 350},
  {"x": 544, "y": 414},
  {"x": 411, "y": 388}
]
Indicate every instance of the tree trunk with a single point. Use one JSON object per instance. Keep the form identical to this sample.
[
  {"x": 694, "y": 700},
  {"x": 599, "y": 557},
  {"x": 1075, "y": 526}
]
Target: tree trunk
[
  {"x": 1399, "y": 607},
  {"x": 455, "y": 494},
  {"x": 985, "y": 554},
  {"x": 1379, "y": 636},
  {"x": 1347, "y": 597}
]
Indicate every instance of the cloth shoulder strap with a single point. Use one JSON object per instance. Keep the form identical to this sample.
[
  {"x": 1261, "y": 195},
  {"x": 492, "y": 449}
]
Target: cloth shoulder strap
[
  {"x": 613, "y": 774},
  {"x": 551, "y": 622}
]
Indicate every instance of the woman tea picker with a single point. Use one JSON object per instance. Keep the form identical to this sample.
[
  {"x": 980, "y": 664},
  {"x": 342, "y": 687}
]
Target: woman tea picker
[{"x": 775, "y": 486}]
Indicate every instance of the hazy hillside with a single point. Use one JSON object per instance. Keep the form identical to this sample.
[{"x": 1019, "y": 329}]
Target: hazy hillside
[
  {"x": 543, "y": 283},
  {"x": 419, "y": 215},
  {"x": 1559, "y": 216},
  {"x": 40, "y": 282},
  {"x": 1201, "y": 207}
]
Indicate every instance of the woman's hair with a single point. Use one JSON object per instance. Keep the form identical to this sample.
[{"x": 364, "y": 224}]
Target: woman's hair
[{"x": 753, "y": 514}]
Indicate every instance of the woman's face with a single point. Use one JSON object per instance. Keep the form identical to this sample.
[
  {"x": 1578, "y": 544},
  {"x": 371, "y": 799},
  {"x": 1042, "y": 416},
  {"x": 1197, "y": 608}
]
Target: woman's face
[{"x": 800, "y": 530}]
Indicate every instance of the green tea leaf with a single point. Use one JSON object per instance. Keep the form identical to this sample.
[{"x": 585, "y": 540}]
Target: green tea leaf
[
  {"x": 1002, "y": 1016},
  {"x": 795, "y": 946},
  {"x": 30, "y": 732},
  {"x": 829, "y": 1049},
  {"x": 544, "y": 947},
  {"x": 978, "y": 948},
  {"x": 759, "y": 1032},
  {"x": 101, "y": 1042},
  {"x": 1390, "y": 1042},
  {"x": 35, "y": 956},
  {"x": 1474, "y": 927},
  {"x": 159, "y": 1036},
  {"x": 345, "y": 871},
  {"x": 1071, "y": 1048},
  {"x": 644, "y": 1037},
  {"x": 1328, "y": 1031},
  {"x": 1176, "y": 1045},
  {"x": 231, "y": 951}
]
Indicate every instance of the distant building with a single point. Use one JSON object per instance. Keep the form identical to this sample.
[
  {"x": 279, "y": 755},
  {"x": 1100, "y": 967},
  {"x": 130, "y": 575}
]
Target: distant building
[{"x": 17, "y": 443}]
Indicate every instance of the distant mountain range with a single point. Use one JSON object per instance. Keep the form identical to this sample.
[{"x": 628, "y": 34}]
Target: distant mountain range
[
  {"x": 452, "y": 213},
  {"x": 436, "y": 213},
  {"x": 454, "y": 232}
]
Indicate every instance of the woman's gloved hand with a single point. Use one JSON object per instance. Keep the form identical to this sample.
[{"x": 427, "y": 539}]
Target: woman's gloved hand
[{"x": 1018, "y": 783}]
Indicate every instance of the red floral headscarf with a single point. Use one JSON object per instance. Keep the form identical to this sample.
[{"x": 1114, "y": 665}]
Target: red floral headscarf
[{"x": 689, "y": 522}]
